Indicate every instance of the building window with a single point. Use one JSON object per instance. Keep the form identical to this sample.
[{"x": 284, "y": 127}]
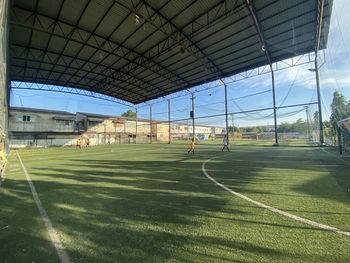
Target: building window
[
  {"x": 26, "y": 118},
  {"x": 94, "y": 123},
  {"x": 64, "y": 122}
]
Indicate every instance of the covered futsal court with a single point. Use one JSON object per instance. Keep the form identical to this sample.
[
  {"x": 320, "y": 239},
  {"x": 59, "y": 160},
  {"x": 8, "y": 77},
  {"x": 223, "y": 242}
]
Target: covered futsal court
[{"x": 151, "y": 203}]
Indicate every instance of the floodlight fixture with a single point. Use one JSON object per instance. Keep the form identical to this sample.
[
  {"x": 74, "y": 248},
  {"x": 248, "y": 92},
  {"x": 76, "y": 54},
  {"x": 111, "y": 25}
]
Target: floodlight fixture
[{"x": 137, "y": 20}]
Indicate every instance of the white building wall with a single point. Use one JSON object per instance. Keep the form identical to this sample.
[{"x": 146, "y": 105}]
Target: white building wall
[{"x": 43, "y": 122}]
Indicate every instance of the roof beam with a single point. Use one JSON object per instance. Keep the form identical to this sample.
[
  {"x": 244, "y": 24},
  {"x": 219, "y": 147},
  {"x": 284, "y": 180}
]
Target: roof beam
[
  {"x": 81, "y": 92},
  {"x": 144, "y": 60},
  {"x": 151, "y": 54},
  {"x": 54, "y": 24},
  {"x": 91, "y": 34},
  {"x": 213, "y": 15},
  {"x": 319, "y": 20},
  {"x": 162, "y": 24},
  {"x": 31, "y": 32},
  {"x": 74, "y": 28},
  {"x": 110, "y": 80},
  {"x": 125, "y": 52},
  {"x": 257, "y": 25},
  {"x": 59, "y": 72},
  {"x": 60, "y": 77},
  {"x": 111, "y": 76}
]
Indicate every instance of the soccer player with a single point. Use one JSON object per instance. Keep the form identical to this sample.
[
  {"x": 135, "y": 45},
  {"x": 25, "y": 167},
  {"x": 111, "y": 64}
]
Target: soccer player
[
  {"x": 191, "y": 147},
  {"x": 225, "y": 144},
  {"x": 78, "y": 145}
]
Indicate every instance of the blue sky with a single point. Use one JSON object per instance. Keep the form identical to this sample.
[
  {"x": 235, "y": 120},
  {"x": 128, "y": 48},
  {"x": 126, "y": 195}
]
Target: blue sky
[{"x": 293, "y": 86}]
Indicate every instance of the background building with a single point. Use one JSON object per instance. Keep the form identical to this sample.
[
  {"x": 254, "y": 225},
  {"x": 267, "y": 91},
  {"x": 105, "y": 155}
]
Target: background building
[{"x": 43, "y": 128}]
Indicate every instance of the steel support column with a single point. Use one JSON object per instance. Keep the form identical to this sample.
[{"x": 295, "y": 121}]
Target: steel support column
[
  {"x": 340, "y": 141},
  {"x": 136, "y": 121},
  {"x": 308, "y": 134},
  {"x": 319, "y": 101},
  {"x": 193, "y": 115},
  {"x": 169, "y": 121},
  {"x": 150, "y": 123},
  {"x": 226, "y": 114},
  {"x": 274, "y": 106}
]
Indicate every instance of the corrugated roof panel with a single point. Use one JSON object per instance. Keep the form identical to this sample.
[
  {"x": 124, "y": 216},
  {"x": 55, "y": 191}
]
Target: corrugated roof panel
[
  {"x": 51, "y": 8},
  {"x": 152, "y": 36},
  {"x": 185, "y": 42},
  {"x": 278, "y": 9},
  {"x": 111, "y": 21},
  {"x": 174, "y": 7},
  {"x": 39, "y": 39},
  {"x": 136, "y": 41},
  {"x": 229, "y": 69},
  {"x": 193, "y": 11},
  {"x": 240, "y": 22},
  {"x": 72, "y": 9},
  {"x": 124, "y": 30},
  {"x": 93, "y": 14},
  {"x": 74, "y": 47}
]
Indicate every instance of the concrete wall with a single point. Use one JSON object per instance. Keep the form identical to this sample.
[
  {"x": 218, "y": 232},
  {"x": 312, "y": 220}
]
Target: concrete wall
[{"x": 58, "y": 140}]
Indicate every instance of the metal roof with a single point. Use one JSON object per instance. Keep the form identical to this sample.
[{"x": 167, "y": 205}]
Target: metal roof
[{"x": 137, "y": 50}]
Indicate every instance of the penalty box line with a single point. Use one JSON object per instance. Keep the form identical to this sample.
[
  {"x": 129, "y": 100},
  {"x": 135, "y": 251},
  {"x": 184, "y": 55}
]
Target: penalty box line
[
  {"x": 272, "y": 209},
  {"x": 62, "y": 254}
]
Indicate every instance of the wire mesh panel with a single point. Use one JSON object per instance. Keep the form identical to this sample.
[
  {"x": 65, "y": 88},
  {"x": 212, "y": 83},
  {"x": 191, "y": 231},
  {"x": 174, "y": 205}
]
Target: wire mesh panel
[
  {"x": 253, "y": 105},
  {"x": 333, "y": 68}
]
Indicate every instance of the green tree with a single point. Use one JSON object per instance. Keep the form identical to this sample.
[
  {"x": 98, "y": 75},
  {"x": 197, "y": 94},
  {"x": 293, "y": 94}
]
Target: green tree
[
  {"x": 284, "y": 127},
  {"x": 233, "y": 129},
  {"x": 129, "y": 113},
  {"x": 340, "y": 110},
  {"x": 299, "y": 126}
]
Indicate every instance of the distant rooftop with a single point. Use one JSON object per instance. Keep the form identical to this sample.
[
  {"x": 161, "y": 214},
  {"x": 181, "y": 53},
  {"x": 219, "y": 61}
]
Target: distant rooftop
[{"x": 24, "y": 109}]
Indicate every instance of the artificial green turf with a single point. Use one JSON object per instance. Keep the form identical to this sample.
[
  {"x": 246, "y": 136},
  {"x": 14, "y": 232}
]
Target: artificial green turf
[{"x": 152, "y": 203}]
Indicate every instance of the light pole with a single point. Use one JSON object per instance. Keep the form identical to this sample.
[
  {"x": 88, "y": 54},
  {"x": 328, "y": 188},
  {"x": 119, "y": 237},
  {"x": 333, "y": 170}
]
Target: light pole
[
  {"x": 226, "y": 114},
  {"x": 136, "y": 111},
  {"x": 318, "y": 100},
  {"x": 307, "y": 123},
  {"x": 169, "y": 121},
  {"x": 233, "y": 127},
  {"x": 150, "y": 123},
  {"x": 192, "y": 113}
]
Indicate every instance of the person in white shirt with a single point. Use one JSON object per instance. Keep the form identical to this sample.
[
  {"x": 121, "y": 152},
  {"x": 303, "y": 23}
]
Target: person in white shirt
[{"x": 225, "y": 144}]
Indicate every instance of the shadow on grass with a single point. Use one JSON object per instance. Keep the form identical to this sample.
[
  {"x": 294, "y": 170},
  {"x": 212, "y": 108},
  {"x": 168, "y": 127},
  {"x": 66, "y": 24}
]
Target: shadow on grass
[
  {"x": 149, "y": 211},
  {"x": 136, "y": 221}
]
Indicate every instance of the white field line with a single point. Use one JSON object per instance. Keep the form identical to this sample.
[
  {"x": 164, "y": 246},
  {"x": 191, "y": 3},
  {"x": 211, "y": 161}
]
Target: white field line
[
  {"x": 272, "y": 209},
  {"x": 62, "y": 254}
]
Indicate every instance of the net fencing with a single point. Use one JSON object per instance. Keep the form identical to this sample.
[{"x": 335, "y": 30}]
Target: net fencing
[
  {"x": 259, "y": 105},
  {"x": 334, "y": 63}
]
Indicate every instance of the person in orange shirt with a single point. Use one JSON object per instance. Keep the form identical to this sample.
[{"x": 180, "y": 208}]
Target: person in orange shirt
[{"x": 191, "y": 147}]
